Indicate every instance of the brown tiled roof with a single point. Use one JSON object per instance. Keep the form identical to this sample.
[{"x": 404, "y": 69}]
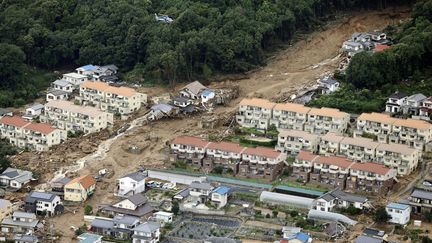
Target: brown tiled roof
[
  {"x": 371, "y": 167},
  {"x": 332, "y": 137},
  {"x": 192, "y": 141},
  {"x": 101, "y": 86},
  {"x": 396, "y": 148},
  {"x": 14, "y": 121},
  {"x": 297, "y": 133},
  {"x": 361, "y": 142},
  {"x": 263, "y": 103},
  {"x": 329, "y": 112},
  {"x": 226, "y": 146},
  {"x": 306, "y": 155},
  {"x": 71, "y": 107},
  {"x": 86, "y": 181},
  {"x": 377, "y": 117},
  {"x": 293, "y": 107},
  {"x": 262, "y": 151},
  {"x": 44, "y": 128},
  {"x": 335, "y": 160},
  {"x": 412, "y": 123}
]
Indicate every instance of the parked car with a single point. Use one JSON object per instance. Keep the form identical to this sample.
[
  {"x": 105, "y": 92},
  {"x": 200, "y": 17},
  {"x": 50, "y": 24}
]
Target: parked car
[
  {"x": 158, "y": 184},
  {"x": 150, "y": 184},
  {"x": 168, "y": 186}
]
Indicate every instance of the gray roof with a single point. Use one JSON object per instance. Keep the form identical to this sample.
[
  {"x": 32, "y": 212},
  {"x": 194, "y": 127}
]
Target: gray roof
[
  {"x": 40, "y": 196},
  {"x": 348, "y": 196},
  {"x": 102, "y": 223},
  {"x": 139, "y": 212},
  {"x": 352, "y": 43},
  {"x": 201, "y": 185},
  {"x": 137, "y": 199},
  {"x": 19, "y": 214},
  {"x": 398, "y": 95},
  {"x": 17, "y": 174},
  {"x": 36, "y": 106},
  {"x": 183, "y": 193},
  {"x": 111, "y": 67},
  {"x": 328, "y": 197},
  {"x": 147, "y": 227},
  {"x": 125, "y": 219},
  {"x": 422, "y": 194},
  {"x": 180, "y": 99},
  {"x": 374, "y": 232},
  {"x": 367, "y": 239},
  {"x": 165, "y": 108},
  {"x": 194, "y": 87},
  {"x": 63, "y": 180},
  {"x": 4, "y": 203},
  {"x": 136, "y": 176},
  {"x": 417, "y": 97},
  {"x": 4, "y": 111},
  {"x": 26, "y": 238},
  {"x": 57, "y": 92},
  {"x": 62, "y": 83},
  {"x": 328, "y": 80}
]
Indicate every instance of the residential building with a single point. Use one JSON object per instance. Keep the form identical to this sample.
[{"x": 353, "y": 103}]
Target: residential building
[
  {"x": 289, "y": 116},
  {"x": 261, "y": 162},
  {"x": 188, "y": 148},
  {"x": 339, "y": 199},
  {"x": 426, "y": 107},
  {"x": 352, "y": 47},
  {"x": 89, "y": 238},
  {"x": 371, "y": 178},
  {"x": 118, "y": 100},
  {"x": 374, "y": 233},
  {"x": 292, "y": 142},
  {"x": 15, "y": 178},
  {"x": 70, "y": 117},
  {"x": 192, "y": 90},
  {"x": 135, "y": 205},
  {"x": 413, "y": 104},
  {"x": 163, "y": 217},
  {"x": 395, "y": 102},
  {"x": 330, "y": 143},
  {"x": 57, "y": 186},
  {"x": 368, "y": 239},
  {"x": 207, "y": 95},
  {"x": 324, "y": 120},
  {"x": 399, "y": 213},
  {"x": 93, "y": 72},
  {"x": 33, "y": 111},
  {"x": 219, "y": 196},
  {"x": 330, "y": 171},
  {"x": 227, "y": 155},
  {"x": 75, "y": 79},
  {"x": 20, "y": 238},
  {"x": 119, "y": 227},
  {"x": 375, "y": 123},
  {"x": 80, "y": 188},
  {"x": 5, "y": 112},
  {"x": 289, "y": 230},
  {"x": 358, "y": 149},
  {"x": 55, "y": 94},
  {"x": 181, "y": 101},
  {"x": 421, "y": 201},
  {"x": 303, "y": 166},
  {"x": 200, "y": 191},
  {"x": 328, "y": 84},
  {"x": 20, "y": 222},
  {"x": 63, "y": 85},
  {"x": 399, "y": 157},
  {"x": 131, "y": 184},
  {"x": 255, "y": 113},
  {"x": 5, "y": 208},
  {"x": 148, "y": 232},
  {"x": 299, "y": 237},
  {"x": 43, "y": 203}
]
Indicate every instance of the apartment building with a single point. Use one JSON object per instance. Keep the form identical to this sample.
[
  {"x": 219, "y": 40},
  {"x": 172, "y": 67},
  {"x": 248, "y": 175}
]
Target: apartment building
[
  {"x": 255, "y": 113},
  {"x": 289, "y": 116},
  {"x": 188, "y": 148},
  {"x": 25, "y": 134},
  {"x": 414, "y": 133},
  {"x": 339, "y": 172},
  {"x": 257, "y": 162},
  {"x": 399, "y": 157},
  {"x": 324, "y": 120},
  {"x": 261, "y": 113},
  {"x": 261, "y": 162},
  {"x": 70, "y": 117},
  {"x": 292, "y": 142},
  {"x": 121, "y": 100}
]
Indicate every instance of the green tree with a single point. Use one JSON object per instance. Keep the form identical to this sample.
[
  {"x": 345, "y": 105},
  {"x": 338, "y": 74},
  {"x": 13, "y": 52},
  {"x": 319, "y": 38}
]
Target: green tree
[
  {"x": 88, "y": 210},
  {"x": 381, "y": 215},
  {"x": 175, "y": 207}
]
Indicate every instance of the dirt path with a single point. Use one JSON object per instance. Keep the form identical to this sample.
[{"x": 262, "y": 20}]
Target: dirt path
[{"x": 287, "y": 72}]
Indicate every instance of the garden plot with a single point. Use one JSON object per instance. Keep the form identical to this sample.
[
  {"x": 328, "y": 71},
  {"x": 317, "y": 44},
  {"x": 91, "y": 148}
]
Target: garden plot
[{"x": 199, "y": 228}]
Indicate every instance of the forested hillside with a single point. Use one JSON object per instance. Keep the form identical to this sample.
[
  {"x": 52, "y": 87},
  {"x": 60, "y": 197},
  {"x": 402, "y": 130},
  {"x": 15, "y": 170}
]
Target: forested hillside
[
  {"x": 406, "y": 66},
  {"x": 206, "y": 36}
]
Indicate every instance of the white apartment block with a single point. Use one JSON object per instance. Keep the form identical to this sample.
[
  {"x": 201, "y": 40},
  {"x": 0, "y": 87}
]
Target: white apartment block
[
  {"x": 396, "y": 156},
  {"x": 122, "y": 100},
  {"x": 70, "y": 117},
  {"x": 75, "y": 78},
  {"x": 414, "y": 133},
  {"x": 293, "y": 141},
  {"x": 25, "y": 134},
  {"x": 261, "y": 113}
]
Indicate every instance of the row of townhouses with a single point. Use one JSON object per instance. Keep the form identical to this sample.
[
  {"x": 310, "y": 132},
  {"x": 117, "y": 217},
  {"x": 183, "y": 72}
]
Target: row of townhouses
[
  {"x": 26, "y": 134},
  {"x": 412, "y": 132},
  {"x": 70, "y": 117},
  {"x": 397, "y": 156},
  {"x": 339, "y": 172},
  {"x": 261, "y": 114},
  {"x": 416, "y": 104},
  {"x": 257, "y": 162}
]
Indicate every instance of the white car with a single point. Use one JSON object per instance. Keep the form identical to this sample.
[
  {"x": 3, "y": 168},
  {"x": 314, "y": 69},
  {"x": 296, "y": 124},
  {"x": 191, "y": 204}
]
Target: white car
[{"x": 169, "y": 186}]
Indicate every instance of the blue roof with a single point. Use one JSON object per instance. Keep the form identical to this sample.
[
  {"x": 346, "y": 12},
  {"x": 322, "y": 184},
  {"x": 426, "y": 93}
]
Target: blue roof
[
  {"x": 88, "y": 67},
  {"x": 299, "y": 236},
  {"x": 89, "y": 238},
  {"x": 207, "y": 92},
  {"x": 398, "y": 206},
  {"x": 222, "y": 190}
]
